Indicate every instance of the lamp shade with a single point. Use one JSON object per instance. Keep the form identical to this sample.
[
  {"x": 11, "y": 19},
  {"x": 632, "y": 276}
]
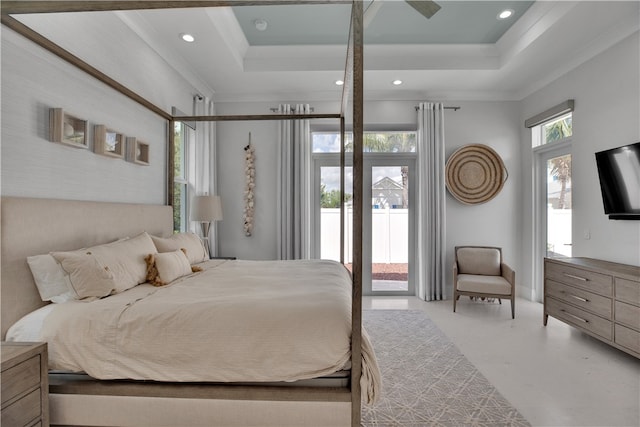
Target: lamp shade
[{"x": 206, "y": 208}]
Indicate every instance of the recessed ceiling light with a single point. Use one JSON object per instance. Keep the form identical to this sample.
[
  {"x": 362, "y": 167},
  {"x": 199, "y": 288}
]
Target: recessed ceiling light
[
  {"x": 261, "y": 24},
  {"x": 339, "y": 82},
  {"x": 397, "y": 82},
  {"x": 187, "y": 37},
  {"x": 505, "y": 14}
]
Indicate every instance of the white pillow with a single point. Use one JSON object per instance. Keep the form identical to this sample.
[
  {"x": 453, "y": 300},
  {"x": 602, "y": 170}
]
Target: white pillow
[
  {"x": 52, "y": 281},
  {"x": 172, "y": 265},
  {"x": 196, "y": 250},
  {"x": 29, "y": 327}
]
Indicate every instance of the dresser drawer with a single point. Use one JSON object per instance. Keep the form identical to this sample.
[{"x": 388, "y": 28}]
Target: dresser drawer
[
  {"x": 627, "y": 338},
  {"x": 585, "y": 279},
  {"x": 20, "y": 378},
  {"x": 579, "y": 318},
  {"x": 628, "y": 314},
  {"x": 594, "y": 303},
  {"x": 23, "y": 411},
  {"x": 627, "y": 291}
]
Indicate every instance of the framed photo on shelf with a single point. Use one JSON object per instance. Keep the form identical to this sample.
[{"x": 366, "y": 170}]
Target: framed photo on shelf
[
  {"x": 108, "y": 142},
  {"x": 67, "y": 129},
  {"x": 137, "y": 151}
]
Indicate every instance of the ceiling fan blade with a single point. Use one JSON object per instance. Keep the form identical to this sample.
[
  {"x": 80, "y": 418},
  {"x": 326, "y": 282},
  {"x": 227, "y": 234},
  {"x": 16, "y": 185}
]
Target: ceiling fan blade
[{"x": 427, "y": 8}]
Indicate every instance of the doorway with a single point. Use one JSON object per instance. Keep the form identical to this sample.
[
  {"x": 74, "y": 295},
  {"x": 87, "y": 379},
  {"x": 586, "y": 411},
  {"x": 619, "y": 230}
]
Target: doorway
[
  {"x": 388, "y": 219},
  {"x": 388, "y": 225},
  {"x": 553, "y": 201}
]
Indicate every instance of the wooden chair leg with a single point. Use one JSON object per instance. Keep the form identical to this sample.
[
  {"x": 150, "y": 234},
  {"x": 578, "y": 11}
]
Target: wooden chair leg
[
  {"x": 513, "y": 307},
  {"x": 455, "y": 299},
  {"x": 499, "y": 300}
]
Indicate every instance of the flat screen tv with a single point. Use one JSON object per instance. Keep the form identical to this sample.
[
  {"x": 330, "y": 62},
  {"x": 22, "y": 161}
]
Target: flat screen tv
[{"x": 619, "y": 173}]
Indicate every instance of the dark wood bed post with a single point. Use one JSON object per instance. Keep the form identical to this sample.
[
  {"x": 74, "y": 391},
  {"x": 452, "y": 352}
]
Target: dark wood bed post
[{"x": 356, "y": 302}]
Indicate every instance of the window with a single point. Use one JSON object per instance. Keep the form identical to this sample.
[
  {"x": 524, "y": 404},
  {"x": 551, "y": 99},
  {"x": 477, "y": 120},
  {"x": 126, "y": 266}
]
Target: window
[
  {"x": 552, "y": 131},
  {"x": 374, "y": 142},
  {"x": 552, "y": 193},
  {"x": 183, "y": 174},
  {"x": 179, "y": 179},
  {"x": 389, "y": 170}
]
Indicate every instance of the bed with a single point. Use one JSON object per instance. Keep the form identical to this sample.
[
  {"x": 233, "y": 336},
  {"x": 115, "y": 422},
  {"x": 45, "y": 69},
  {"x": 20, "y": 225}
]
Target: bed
[
  {"x": 37, "y": 226},
  {"x": 286, "y": 326}
]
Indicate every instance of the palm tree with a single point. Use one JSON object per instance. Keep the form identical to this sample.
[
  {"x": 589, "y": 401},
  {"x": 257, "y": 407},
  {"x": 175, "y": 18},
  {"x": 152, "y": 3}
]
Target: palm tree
[
  {"x": 558, "y": 130},
  {"x": 560, "y": 166},
  {"x": 561, "y": 170}
]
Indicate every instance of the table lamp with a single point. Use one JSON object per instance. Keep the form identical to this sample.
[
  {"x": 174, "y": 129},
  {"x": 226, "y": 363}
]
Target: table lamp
[{"x": 205, "y": 209}]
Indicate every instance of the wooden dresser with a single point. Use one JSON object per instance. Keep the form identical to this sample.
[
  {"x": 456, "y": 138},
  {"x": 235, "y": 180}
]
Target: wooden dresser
[
  {"x": 601, "y": 298},
  {"x": 25, "y": 390}
]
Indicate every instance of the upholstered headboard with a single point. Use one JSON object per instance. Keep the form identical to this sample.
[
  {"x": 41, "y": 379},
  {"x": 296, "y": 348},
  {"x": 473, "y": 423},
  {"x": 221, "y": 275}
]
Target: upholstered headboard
[{"x": 38, "y": 226}]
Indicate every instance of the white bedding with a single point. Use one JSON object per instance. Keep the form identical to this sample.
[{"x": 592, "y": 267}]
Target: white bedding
[{"x": 236, "y": 321}]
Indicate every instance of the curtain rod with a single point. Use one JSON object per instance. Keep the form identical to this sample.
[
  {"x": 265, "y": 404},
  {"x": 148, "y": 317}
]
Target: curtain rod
[
  {"x": 291, "y": 109},
  {"x": 446, "y": 108}
]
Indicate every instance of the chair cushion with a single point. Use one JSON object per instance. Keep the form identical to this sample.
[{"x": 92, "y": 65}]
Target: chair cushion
[
  {"x": 485, "y": 261},
  {"x": 496, "y": 285}
]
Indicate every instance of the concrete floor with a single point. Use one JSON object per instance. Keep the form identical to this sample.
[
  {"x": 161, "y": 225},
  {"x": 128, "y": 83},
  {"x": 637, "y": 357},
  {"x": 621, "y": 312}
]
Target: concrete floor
[{"x": 554, "y": 375}]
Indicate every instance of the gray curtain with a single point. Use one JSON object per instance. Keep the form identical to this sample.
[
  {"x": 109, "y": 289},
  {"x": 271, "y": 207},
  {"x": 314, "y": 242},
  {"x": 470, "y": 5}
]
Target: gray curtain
[
  {"x": 431, "y": 243},
  {"x": 294, "y": 187}
]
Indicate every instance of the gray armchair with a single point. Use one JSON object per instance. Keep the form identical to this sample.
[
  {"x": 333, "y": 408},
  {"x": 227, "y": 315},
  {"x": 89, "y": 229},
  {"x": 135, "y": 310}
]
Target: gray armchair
[{"x": 478, "y": 271}]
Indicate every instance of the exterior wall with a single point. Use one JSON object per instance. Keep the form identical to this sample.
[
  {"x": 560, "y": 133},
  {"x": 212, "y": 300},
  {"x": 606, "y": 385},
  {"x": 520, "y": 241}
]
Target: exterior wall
[{"x": 606, "y": 90}]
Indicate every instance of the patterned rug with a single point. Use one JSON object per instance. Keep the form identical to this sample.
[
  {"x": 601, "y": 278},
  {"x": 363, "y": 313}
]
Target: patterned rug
[{"x": 426, "y": 381}]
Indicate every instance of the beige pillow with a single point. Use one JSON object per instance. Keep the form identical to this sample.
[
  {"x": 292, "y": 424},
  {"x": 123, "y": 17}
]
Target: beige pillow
[
  {"x": 87, "y": 277},
  {"x": 196, "y": 251},
  {"x": 124, "y": 259},
  {"x": 172, "y": 265}
]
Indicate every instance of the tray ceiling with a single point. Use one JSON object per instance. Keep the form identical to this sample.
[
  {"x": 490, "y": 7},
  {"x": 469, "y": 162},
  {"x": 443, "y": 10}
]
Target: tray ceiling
[{"x": 462, "y": 53}]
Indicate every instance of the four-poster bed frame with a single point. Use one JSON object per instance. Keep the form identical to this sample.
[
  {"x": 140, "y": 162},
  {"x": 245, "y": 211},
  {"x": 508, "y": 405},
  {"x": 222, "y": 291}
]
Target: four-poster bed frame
[{"x": 352, "y": 90}]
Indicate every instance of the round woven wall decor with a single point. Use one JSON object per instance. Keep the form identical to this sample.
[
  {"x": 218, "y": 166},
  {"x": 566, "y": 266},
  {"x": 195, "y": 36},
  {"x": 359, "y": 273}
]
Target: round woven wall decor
[{"x": 475, "y": 174}]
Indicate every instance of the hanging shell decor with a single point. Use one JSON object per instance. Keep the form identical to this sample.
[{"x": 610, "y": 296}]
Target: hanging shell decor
[{"x": 250, "y": 176}]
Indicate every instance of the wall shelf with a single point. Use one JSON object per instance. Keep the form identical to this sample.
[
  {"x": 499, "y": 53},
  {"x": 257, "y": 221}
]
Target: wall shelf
[
  {"x": 67, "y": 129},
  {"x": 108, "y": 142},
  {"x": 137, "y": 151}
]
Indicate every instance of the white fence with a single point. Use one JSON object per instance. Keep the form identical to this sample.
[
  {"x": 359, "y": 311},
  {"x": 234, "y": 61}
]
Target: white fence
[
  {"x": 389, "y": 239},
  {"x": 559, "y": 231},
  {"x": 390, "y": 233}
]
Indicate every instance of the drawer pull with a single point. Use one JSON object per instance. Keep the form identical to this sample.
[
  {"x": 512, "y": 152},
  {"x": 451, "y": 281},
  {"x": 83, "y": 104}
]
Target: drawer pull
[
  {"x": 574, "y": 316},
  {"x": 584, "y": 279},
  {"x": 578, "y": 298}
]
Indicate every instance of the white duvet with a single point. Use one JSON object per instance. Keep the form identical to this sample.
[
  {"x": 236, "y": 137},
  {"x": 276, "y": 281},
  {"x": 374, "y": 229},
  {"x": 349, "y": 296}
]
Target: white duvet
[{"x": 236, "y": 321}]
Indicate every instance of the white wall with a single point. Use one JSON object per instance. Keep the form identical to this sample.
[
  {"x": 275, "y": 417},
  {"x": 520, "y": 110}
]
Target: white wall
[
  {"x": 606, "y": 90},
  {"x": 496, "y": 222},
  {"x": 34, "y": 80},
  {"x": 232, "y": 137}
]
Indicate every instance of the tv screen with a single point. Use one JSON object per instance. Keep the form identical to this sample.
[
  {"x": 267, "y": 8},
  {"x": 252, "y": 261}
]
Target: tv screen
[{"x": 619, "y": 173}]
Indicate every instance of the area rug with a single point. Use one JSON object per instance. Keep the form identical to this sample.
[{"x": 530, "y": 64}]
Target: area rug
[{"x": 426, "y": 380}]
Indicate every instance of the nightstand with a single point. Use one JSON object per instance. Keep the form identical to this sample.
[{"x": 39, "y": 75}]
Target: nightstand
[{"x": 25, "y": 385}]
